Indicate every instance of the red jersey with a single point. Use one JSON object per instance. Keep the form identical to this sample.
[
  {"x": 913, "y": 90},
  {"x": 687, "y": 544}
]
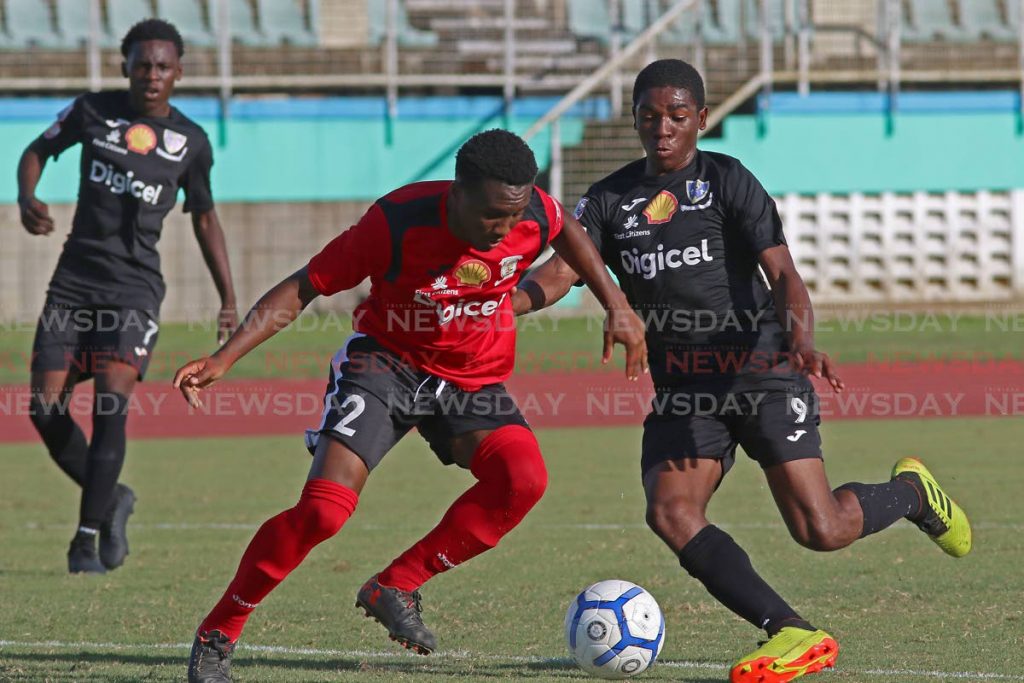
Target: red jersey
[{"x": 437, "y": 302}]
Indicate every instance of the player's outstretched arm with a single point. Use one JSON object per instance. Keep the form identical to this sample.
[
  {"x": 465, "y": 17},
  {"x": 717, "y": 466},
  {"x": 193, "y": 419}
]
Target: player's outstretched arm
[
  {"x": 545, "y": 285},
  {"x": 622, "y": 326},
  {"x": 210, "y": 236},
  {"x": 35, "y": 215},
  {"x": 272, "y": 313},
  {"x": 793, "y": 306}
]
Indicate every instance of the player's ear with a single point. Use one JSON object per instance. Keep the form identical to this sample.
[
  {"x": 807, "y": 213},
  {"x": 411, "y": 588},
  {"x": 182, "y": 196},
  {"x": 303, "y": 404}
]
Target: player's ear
[
  {"x": 124, "y": 68},
  {"x": 703, "y": 117}
]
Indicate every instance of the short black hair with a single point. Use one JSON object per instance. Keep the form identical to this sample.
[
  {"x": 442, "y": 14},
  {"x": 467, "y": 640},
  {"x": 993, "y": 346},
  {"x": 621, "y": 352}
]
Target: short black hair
[
  {"x": 152, "y": 29},
  {"x": 497, "y": 155},
  {"x": 673, "y": 73}
]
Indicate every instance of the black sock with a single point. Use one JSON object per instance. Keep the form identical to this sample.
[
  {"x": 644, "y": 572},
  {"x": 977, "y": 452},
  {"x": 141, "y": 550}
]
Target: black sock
[
  {"x": 885, "y": 504},
  {"x": 106, "y": 456},
  {"x": 63, "y": 437},
  {"x": 713, "y": 558}
]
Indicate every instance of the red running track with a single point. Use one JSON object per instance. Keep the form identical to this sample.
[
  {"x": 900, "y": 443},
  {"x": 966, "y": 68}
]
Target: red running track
[{"x": 898, "y": 390}]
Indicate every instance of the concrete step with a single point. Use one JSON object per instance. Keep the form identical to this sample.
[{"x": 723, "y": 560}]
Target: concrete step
[
  {"x": 456, "y": 24},
  {"x": 491, "y": 47}
]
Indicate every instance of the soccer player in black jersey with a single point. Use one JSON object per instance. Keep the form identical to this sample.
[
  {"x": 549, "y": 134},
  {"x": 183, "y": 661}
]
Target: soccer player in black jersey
[
  {"x": 685, "y": 232},
  {"x": 101, "y": 314}
]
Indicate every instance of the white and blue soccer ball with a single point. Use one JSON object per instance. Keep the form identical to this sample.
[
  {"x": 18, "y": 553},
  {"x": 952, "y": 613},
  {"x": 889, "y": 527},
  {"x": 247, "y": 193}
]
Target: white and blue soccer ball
[{"x": 614, "y": 629}]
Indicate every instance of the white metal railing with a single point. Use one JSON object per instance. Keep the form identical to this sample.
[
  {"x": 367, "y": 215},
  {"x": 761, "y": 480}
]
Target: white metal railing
[{"x": 596, "y": 79}]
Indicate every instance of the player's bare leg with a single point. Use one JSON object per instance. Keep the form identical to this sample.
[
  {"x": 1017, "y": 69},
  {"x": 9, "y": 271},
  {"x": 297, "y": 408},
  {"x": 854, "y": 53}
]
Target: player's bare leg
[
  {"x": 678, "y": 492},
  {"x": 511, "y": 478},
  {"x": 328, "y": 499},
  {"x": 817, "y": 517}
]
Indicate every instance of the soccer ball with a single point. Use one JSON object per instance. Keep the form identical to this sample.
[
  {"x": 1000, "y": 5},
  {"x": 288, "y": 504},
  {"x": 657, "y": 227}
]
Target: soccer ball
[{"x": 614, "y": 629}]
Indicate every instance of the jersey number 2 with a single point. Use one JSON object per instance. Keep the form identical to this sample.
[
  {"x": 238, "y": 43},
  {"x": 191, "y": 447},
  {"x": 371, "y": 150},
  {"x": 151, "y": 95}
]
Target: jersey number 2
[{"x": 358, "y": 406}]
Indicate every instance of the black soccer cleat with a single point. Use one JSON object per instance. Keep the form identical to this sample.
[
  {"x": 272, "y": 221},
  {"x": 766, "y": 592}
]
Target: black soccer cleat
[
  {"x": 113, "y": 534},
  {"x": 82, "y": 555},
  {"x": 210, "y": 660},
  {"x": 398, "y": 612}
]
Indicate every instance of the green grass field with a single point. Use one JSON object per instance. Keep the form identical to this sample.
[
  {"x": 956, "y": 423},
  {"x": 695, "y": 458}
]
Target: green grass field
[
  {"x": 305, "y": 349},
  {"x": 902, "y": 611}
]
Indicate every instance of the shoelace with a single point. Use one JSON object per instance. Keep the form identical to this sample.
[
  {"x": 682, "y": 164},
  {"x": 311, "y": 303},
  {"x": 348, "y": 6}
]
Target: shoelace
[
  {"x": 415, "y": 601},
  {"x": 221, "y": 646}
]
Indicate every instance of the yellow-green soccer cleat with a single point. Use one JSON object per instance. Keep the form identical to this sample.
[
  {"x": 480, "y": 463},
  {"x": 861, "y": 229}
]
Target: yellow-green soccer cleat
[
  {"x": 789, "y": 654},
  {"x": 944, "y": 521}
]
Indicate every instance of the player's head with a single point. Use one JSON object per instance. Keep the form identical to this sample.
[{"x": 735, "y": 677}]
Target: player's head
[
  {"x": 152, "y": 52},
  {"x": 668, "y": 112},
  {"x": 494, "y": 174}
]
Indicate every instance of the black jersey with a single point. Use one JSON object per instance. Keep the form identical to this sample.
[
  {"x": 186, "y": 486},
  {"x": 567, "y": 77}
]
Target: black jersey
[
  {"x": 685, "y": 247},
  {"x": 131, "y": 169}
]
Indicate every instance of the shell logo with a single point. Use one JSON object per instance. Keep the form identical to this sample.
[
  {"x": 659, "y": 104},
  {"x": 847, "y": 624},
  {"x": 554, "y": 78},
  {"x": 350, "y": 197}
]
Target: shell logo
[
  {"x": 140, "y": 138},
  {"x": 661, "y": 208},
  {"x": 472, "y": 273}
]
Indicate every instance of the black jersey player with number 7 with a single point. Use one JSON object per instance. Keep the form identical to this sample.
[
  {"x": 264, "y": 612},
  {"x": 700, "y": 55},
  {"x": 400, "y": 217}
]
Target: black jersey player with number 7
[{"x": 101, "y": 316}]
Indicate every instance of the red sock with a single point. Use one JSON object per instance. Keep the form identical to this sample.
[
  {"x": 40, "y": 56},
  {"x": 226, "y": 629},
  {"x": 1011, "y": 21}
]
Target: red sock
[
  {"x": 511, "y": 479},
  {"x": 278, "y": 547}
]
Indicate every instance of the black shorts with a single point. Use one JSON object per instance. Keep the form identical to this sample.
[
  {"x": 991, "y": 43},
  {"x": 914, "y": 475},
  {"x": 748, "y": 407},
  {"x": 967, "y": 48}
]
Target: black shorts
[
  {"x": 84, "y": 339},
  {"x": 773, "y": 425},
  {"x": 374, "y": 398}
]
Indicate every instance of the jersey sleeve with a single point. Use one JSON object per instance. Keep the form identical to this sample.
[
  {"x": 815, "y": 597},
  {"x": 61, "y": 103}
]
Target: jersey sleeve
[
  {"x": 195, "y": 181},
  {"x": 556, "y": 216},
  {"x": 64, "y": 132},
  {"x": 588, "y": 213},
  {"x": 362, "y": 251},
  {"x": 753, "y": 212}
]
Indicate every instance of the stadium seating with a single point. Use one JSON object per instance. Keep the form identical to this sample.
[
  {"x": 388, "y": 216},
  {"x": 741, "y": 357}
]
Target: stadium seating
[
  {"x": 589, "y": 20},
  {"x": 720, "y": 25},
  {"x": 283, "y": 21},
  {"x": 243, "y": 23},
  {"x": 931, "y": 20},
  {"x": 187, "y": 16},
  {"x": 123, "y": 14},
  {"x": 73, "y": 25},
  {"x": 408, "y": 36},
  {"x": 983, "y": 19},
  {"x": 29, "y": 25},
  {"x": 776, "y": 16}
]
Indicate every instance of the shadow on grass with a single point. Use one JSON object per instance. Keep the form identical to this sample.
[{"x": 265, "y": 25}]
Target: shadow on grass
[{"x": 245, "y": 662}]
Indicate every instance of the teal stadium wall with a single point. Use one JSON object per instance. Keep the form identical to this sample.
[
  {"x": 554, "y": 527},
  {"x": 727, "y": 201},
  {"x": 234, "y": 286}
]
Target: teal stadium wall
[
  {"x": 344, "y": 149},
  {"x": 331, "y": 149},
  {"x": 853, "y": 142}
]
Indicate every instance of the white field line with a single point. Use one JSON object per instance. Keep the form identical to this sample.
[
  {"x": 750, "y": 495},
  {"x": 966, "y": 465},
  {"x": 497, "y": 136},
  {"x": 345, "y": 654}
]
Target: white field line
[
  {"x": 229, "y": 526},
  {"x": 465, "y": 655}
]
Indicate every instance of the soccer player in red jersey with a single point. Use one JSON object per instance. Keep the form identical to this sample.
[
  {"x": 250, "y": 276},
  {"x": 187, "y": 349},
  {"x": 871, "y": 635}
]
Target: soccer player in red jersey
[{"x": 432, "y": 345}]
